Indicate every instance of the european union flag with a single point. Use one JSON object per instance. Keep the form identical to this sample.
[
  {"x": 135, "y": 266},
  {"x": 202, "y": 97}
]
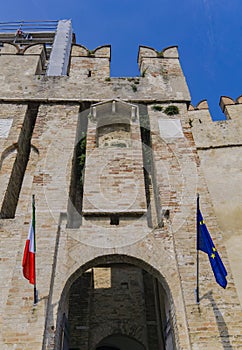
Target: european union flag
[{"x": 205, "y": 243}]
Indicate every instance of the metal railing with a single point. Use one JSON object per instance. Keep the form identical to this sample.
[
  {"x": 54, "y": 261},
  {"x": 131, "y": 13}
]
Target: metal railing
[
  {"x": 25, "y": 33},
  {"x": 28, "y": 26}
]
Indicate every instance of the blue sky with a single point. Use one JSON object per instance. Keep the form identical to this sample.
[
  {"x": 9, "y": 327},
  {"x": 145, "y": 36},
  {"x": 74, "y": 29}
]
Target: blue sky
[{"x": 208, "y": 34}]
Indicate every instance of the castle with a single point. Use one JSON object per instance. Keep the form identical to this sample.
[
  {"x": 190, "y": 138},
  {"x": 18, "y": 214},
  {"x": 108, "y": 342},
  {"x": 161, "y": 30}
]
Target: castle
[{"x": 115, "y": 165}]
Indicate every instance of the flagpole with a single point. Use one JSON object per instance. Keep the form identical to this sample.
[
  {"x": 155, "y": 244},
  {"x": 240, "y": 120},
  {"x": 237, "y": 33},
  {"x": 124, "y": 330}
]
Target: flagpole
[
  {"x": 198, "y": 228},
  {"x": 33, "y": 223}
]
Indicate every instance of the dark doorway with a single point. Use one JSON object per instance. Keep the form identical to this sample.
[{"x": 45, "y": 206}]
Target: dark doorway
[
  {"x": 107, "y": 348},
  {"x": 120, "y": 342},
  {"x": 118, "y": 306}
]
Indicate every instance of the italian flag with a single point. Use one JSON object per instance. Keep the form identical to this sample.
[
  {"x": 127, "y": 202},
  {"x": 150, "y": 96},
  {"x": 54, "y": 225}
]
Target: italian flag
[{"x": 28, "y": 262}]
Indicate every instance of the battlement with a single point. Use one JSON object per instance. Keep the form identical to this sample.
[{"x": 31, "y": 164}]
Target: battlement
[
  {"x": 148, "y": 52},
  {"x": 230, "y": 107},
  {"x": 221, "y": 133},
  {"x": 31, "y": 72},
  {"x": 85, "y": 63}
]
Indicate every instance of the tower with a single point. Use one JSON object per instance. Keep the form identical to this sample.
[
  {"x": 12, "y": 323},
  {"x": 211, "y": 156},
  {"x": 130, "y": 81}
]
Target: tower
[{"x": 115, "y": 165}]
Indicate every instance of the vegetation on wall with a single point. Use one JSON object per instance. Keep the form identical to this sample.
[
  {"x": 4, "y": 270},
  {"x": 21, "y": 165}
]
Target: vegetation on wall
[
  {"x": 135, "y": 82},
  {"x": 134, "y": 87},
  {"x": 143, "y": 74},
  {"x": 157, "y": 108},
  {"x": 160, "y": 54},
  {"x": 81, "y": 158},
  {"x": 75, "y": 203},
  {"x": 171, "y": 110},
  {"x": 91, "y": 53}
]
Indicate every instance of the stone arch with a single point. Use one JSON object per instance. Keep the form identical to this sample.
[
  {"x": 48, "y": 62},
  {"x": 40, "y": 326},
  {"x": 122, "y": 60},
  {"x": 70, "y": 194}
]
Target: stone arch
[
  {"x": 117, "y": 258},
  {"x": 113, "y": 123},
  {"x": 7, "y": 152},
  {"x": 16, "y": 172},
  {"x": 128, "y": 343},
  {"x": 113, "y": 135},
  {"x": 110, "y": 260},
  {"x": 14, "y": 148},
  {"x": 8, "y": 161}
]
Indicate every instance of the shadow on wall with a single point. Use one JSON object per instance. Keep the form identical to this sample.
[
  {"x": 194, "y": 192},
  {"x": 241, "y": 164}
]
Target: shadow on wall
[
  {"x": 222, "y": 327},
  {"x": 49, "y": 332}
]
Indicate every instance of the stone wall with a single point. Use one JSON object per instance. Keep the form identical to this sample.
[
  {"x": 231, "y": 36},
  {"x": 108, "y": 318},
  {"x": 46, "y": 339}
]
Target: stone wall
[
  {"x": 220, "y": 151},
  {"x": 181, "y": 145}
]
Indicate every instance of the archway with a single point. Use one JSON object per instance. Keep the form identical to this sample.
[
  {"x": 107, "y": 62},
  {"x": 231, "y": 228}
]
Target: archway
[
  {"x": 119, "y": 342},
  {"x": 115, "y": 302}
]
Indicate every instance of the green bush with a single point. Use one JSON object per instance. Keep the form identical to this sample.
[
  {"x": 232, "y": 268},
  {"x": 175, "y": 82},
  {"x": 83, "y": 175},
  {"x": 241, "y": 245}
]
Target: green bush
[
  {"x": 157, "y": 108},
  {"x": 171, "y": 110}
]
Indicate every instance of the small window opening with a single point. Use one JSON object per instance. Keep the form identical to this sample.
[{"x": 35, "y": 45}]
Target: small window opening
[
  {"x": 124, "y": 285},
  {"x": 114, "y": 219},
  {"x": 89, "y": 73}
]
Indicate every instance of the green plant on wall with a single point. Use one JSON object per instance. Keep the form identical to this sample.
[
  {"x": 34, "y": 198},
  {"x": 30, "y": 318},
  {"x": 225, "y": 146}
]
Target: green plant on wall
[
  {"x": 157, "y": 108},
  {"x": 134, "y": 87},
  {"x": 90, "y": 53},
  {"x": 171, "y": 110},
  {"x": 81, "y": 158},
  {"x": 160, "y": 54},
  {"x": 143, "y": 74}
]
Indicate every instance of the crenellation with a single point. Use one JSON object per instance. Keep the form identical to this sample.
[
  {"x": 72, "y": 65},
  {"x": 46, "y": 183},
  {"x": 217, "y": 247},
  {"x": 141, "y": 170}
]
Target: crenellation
[
  {"x": 78, "y": 50},
  {"x": 212, "y": 134},
  {"x": 14, "y": 63},
  {"x": 163, "y": 68},
  {"x": 232, "y": 109},
  {"x": 199, "y": 117},
  {"x": 224, "y": 101},
  {"x": 90, "y": 64}
]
